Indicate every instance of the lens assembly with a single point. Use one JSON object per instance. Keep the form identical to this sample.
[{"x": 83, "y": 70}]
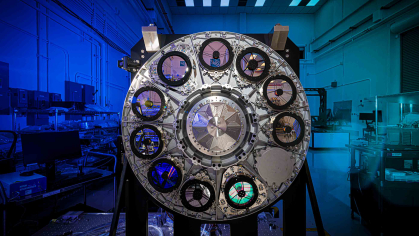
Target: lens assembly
[
  {"x": 288, "y": 129},
  {"x": 146, "y": 142},
  {"x": 216, "y": 54},
  {"x": 253, "y": 64},
  {"x": 197, "y": 195},
  {"x": 148, "y": 103},
  {"x": 174, "y": 68},
  {"x": 279, "y": 92},
  {"x": 164, "y": 175},
  {"x": 241, "y": 192}
]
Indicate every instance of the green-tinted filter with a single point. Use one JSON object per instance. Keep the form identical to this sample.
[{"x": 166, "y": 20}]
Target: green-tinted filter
[{"x": 241, "y": 193}]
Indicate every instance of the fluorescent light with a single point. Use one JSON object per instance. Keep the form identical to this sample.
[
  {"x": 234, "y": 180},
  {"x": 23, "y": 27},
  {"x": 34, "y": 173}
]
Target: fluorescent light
[
  {"x": 312, "y": 3},
  {"x": 295, "y": 3},
  {"x": 207, "y": 3},
  {"x": 189, "y": 3},
  {"x": 259, "y": 3},
  {"x": 225, "y": 3}
]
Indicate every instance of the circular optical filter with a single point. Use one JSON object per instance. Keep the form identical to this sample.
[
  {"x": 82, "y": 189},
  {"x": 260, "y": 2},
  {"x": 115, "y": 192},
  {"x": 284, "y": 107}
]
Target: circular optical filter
[
  {"x": 216, "y": 54},
  {"x": 148, "y": 103},
  {"x": 164, "y": 175},
  {"x": 174, "y": 68},
  {"x": 146, "y": 142},
  {"x": 241, "y": 192},
  {"x": 197, "y": 195},
  {"x": 288, "y": 129},
  {"x": 279, "y": 92},
  {"x": 253, "y": 64}
]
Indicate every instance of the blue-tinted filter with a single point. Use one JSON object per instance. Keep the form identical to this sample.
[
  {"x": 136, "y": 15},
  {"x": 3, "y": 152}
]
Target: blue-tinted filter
[{"x": 164, "y": 175}]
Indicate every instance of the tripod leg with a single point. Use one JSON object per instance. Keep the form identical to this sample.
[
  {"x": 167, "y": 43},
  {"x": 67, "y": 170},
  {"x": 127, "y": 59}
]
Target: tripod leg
[
  {"x": 294, "y": 212},
  {"x": 117, "y": 210},
  {"x": 313, "y": 200}
]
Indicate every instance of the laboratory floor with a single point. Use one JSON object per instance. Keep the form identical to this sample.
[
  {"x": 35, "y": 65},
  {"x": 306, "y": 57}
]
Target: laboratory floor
[{"x": 329, "y": 171}]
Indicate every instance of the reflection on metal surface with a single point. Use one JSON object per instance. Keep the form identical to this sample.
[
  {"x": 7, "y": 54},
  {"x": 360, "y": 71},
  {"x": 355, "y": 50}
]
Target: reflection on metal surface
[
  {"x": 241, "y": 193},
  {"x": 148, "y": 103},
  {"x": 164, "y": 175},
  {"x": 174, "y": 68},
  {"x": 253, "y": 64},
  {"x": 197, "y": 195},
  {"x": 279, "y": 92},
  {"x": 216, "y": 126},
  {"x": 216, "y": 54}
]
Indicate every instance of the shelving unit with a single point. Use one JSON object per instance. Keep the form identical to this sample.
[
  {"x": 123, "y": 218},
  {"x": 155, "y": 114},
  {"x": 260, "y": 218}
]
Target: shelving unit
[
  {"x": 382, "y": 102},
  {"x": 58, "y": 112}
]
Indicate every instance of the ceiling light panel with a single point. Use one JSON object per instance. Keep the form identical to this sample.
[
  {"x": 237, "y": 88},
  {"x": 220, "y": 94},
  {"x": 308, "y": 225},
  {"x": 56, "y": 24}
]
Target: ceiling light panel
[
  {"x": 207, "y": 3},
  {"x": 189, "y": 3},
  {"x": 260, "y": 3},
  {"x": 312, "y": 3},
  {"x": 295, "y": 3},
  {"x": 225, "y": 3}
]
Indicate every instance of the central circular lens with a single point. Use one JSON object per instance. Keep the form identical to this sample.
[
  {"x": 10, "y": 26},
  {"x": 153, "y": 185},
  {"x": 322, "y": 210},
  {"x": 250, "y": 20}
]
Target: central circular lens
[{"x": 216, "y": 125}]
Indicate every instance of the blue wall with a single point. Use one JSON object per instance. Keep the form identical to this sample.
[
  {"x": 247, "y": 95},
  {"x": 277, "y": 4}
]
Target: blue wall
[{"x": 45, "y": 46}]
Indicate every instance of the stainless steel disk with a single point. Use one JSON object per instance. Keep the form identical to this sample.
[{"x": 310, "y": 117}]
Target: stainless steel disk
[{"x": 216, "y": 125}]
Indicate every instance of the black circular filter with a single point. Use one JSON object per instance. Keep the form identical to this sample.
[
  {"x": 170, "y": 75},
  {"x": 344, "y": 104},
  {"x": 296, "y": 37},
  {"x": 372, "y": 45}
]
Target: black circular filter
[
  {"x": 164, "y": 175},
  {"x": 148, "y": 103},
  {"x": 288, "y": 129},
  {"x": 253, "y": 64},
  {"x": 216, "y": 54},
  {"x": 174, "y": 68},
  {"x": 241, "y": 192},
  {"x": 197, "y": 195},
  {"x": 279, "y": 92},
  {"x": 146, "y": 142}
]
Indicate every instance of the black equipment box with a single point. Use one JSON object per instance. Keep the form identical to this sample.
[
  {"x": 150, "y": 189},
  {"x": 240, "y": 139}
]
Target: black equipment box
[
  {"x": 4, "y": 89},
  {"x": 37, "y": 119},
  {"x": 88, "y": 94},
  {"x": 73, "y": 92},
  {"x": 54, "y": 97},
  {"x": 19, "y": 98},
  {"x": 38, "y": 100}
]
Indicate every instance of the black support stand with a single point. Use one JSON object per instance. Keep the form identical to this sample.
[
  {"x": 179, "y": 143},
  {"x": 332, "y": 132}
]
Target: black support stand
[{"x": 136, "y": 205}]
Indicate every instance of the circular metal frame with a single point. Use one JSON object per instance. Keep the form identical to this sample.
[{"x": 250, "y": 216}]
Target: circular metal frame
[
  {"x": 159, "y": 187},
  {"x": 205, "y": 206},
  {"x": 293, "y": 95},
  {"x": 265, "y": 70},
  {"x": 181, "y": 81},
  {"x": 205, "y": 85},
  {"x": 134, "y": 148},
  {"x": 230, "y": 54},
  {"x": 233, "y": 181},
  {"x": 275, "y": 124},
  {"x": 162, "y": 106}
]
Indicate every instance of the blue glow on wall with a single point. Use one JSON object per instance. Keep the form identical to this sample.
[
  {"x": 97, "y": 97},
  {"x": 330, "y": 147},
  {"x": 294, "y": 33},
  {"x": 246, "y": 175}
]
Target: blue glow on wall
[{"x": 45, "y": 50}]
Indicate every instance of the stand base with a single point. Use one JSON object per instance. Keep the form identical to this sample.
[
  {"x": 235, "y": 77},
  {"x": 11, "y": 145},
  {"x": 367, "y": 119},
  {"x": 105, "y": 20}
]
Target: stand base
[{"x": 137, "y": 199}]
